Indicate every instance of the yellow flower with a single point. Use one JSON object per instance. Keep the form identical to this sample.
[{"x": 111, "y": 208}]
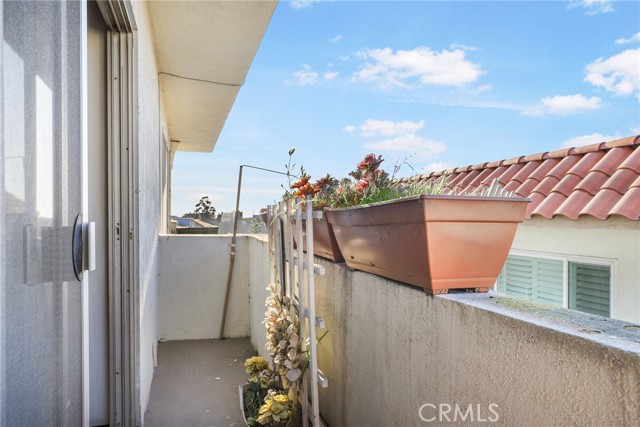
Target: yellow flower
[
  {"x": 264, "y": 382},
  {"x": 265, "y": 408},
  {"x": 276, "y": 409},
  {"x": 255, "y": 364},
  {"x": 281, "y": 398}
]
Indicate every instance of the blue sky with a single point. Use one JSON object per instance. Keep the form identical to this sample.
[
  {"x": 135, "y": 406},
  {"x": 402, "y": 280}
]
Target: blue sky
[{"x": 448, "y": 83}]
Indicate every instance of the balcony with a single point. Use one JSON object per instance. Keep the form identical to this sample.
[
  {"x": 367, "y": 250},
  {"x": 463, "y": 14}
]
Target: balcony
[
  {"x": 395, "y": 355},
  {"x": 196, "y": 383}
]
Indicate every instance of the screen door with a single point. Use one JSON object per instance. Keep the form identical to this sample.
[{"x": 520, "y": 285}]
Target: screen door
[{"x": 41, "y": 177}]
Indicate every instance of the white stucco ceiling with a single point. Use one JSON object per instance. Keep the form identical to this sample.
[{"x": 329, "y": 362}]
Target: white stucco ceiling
[{"x": 204, "y": 50}]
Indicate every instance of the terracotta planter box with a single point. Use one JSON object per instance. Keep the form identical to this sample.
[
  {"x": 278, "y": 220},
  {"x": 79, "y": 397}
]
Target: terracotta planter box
[
  {"x": 434, "y": 242},
  {"x": 324, "y": 241}
]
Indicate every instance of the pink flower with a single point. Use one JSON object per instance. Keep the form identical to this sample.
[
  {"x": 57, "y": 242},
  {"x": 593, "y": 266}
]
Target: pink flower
[
  {"x": 361, "y": 186},
  {"x": 370, "y": 162}
]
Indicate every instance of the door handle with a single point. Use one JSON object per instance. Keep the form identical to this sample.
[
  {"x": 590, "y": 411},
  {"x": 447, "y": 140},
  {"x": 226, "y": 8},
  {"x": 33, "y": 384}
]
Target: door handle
[
  {"x": 83, "y": 247},
  {"x": 77, "y": 247},
  {"x": 91, "y": 246}
]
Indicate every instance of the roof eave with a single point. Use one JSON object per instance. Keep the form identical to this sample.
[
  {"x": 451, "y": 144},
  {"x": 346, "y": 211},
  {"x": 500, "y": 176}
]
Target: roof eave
[{"x": 204, "y": 50}]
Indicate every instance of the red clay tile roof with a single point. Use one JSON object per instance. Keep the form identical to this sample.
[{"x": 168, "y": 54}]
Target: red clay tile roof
[{"x": 599, "y": 180}]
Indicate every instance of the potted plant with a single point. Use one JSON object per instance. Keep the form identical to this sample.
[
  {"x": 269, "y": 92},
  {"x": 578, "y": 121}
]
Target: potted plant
[
  {"x": 253, "y": 393},
  {"x": 421, "y": 234},
  {"x": 324, "y": 241}
]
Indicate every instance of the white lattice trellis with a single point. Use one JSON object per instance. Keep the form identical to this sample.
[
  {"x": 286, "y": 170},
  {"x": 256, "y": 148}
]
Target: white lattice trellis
[{"x": 293, "y": 269}]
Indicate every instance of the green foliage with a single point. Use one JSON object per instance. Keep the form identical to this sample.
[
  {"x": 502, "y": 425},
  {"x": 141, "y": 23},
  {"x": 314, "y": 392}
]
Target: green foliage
[
  {"x": 289, "y": 167},
  {"x": 370, "y": 184},
  {"x": 204, "y": 207},
  {"x": 256, "y": 225}
]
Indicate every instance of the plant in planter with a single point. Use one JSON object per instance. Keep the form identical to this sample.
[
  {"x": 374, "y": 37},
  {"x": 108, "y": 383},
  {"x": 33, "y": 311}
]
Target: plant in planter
[
  {"x": 261, "y": 380},
  {"x": 420, "y": 234},
  {"x": 368, "y": 184},
  {"x": 322, "y": 191},
  {"x": 277, "y": 411},
  {"x": 324, "y": 242}
]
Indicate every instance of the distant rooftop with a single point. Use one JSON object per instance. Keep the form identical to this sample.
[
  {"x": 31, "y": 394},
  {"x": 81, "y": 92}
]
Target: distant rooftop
[{"x": 598, "y": 180}]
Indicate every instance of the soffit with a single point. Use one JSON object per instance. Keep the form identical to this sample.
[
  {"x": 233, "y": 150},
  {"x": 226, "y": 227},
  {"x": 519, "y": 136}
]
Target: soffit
[{"x": 203, "y": 51}]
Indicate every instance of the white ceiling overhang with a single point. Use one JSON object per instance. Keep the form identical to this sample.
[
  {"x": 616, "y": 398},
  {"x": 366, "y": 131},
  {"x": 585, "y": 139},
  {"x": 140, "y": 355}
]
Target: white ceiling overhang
[{"x": 204, "y": 50}]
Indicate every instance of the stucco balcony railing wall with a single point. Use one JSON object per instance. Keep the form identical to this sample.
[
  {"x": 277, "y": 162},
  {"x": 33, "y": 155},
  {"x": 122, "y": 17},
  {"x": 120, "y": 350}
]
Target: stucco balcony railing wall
[
  {"x": 397, "y": 356},
  {"x": 193, "y": 278}
]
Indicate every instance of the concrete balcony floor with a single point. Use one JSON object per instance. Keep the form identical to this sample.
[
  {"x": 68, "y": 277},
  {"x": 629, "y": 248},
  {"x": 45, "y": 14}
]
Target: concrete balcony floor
[{"x": 196, "y": 383}]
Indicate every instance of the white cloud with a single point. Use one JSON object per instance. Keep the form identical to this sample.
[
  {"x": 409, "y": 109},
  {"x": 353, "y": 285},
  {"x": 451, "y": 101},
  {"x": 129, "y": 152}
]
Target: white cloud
[
  {"x": 579, "y": 141},
  {"x": 344, "y": 58},
  {"x": 302, "y": 4},
  {"x": 633, "y": 39},
  {"x": 635, "y": 130},
  {"x": 463, "y": 47},
  {"x": 435, "y": 167},
  {"x": 478, "y": 90},
  {"x": 619, "y": 74},
  {"x": 306, "y": 76},
  {"x": 592, "y": 7},
  {"x": 330, "y": 75},
  {"x": 418, "y": 67},
  {"x": 336, "y": 39},
  {"x": 349, "y": 128},
  {"x": 389, "y": 128},
  {"x": 361, "y": 54},
  {"x": 563, "y": 105},
  {"x": 399, "y": 137},
  {"x": 410, "y": 143}
]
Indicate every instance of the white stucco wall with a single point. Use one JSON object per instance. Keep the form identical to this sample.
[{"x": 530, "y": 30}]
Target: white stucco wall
[
  {"x": 392, "y": 348},
  {"x": 193, "y": 277},
  {"x": 150, "y": 120},
  {"x": 615, "y": 239}
]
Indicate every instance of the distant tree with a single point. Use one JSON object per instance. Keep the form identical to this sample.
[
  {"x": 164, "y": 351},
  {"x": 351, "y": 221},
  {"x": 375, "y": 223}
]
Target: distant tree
[
  {"x": 256, "y": 225},
  {"x": 204, "y": 207}
]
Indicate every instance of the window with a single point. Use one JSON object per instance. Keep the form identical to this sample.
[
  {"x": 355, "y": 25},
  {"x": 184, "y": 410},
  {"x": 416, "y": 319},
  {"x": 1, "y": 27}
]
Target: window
[
  {"x": 561, "y": 282},
  {"x": 589, "y": 287}
]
